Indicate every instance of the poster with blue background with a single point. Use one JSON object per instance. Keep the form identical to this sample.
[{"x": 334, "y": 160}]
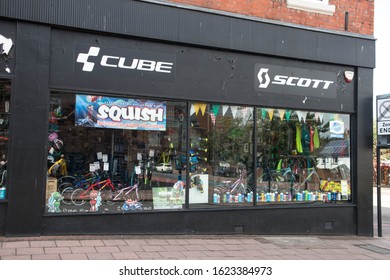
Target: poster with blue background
[{"x": 120, "y": 113}]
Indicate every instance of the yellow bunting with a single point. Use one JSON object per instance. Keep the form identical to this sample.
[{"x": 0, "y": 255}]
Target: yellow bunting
[
  {"x": 281, "y": 113},
  {"x": 270, "y": 114}
]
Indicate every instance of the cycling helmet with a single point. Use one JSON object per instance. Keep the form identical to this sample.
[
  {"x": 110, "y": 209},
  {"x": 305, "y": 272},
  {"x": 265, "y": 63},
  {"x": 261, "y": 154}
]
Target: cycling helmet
[
  {"x": 52, "y": 136},
  {"x": 57, "y": 144}
]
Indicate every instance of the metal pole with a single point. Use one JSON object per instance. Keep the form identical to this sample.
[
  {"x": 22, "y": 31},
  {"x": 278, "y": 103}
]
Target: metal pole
[{"x": 378, "y": 190}]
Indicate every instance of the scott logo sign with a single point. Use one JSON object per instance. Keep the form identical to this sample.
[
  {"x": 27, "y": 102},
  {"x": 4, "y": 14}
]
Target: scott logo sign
[
  {"x": 263, "y": 78},
  {"x": 122, "y": 62},
  {"x": 294, "y": 81}
]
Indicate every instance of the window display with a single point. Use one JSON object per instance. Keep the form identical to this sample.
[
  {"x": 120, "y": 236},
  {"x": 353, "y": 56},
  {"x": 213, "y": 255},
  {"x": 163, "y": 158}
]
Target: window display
[
  {"x": 115, "y": 154},
  {"x": 112, "y": 154},
  {"x": 220, "y": 155},
  {"x": 302, "y": 156}
]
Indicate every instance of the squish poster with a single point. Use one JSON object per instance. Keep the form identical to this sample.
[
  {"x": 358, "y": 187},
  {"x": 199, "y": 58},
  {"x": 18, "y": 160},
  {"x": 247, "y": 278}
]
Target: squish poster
[{"x": 120, "y": 113}]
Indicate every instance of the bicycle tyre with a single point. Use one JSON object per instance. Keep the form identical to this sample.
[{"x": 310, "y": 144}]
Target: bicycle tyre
[
  {"x": 219, "y": 190},
  {"x": 66, "y": 192},
  {"x": 141, "y": 196},
  {"x": 75, "y": 197},
  {"x": 296, "y": 187},
  {"x": 63, "y": 186},
  {"x": 66, "y": 179},
  {"x": 247, "y": 190},
  {"x": 274, "y": 186},
  {"x": 106, "y": 195},
  {"x": 110, "y": 198}
]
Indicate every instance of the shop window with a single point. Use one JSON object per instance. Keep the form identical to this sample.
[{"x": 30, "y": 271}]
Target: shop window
[
  {"x": 302, "y": 157},
  {"x": 115, "y": 154},
  {"x": 316, "y": 6},
  {"x": 221, "y": 155},
  {"x": 5, "y": 98}
]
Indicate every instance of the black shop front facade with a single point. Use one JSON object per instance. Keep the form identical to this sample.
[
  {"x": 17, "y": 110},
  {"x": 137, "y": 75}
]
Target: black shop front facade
[{"x": 114, "y": 134}]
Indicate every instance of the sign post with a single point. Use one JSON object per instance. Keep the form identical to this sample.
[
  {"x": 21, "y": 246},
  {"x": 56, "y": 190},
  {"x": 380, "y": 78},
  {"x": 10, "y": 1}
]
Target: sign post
[{"x": 383, "y": 141}]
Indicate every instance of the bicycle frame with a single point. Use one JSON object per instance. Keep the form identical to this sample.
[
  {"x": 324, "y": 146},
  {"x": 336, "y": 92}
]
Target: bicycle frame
[
  {"x": 123, "y": 195},
  {"x": 79, "y": 196},
  {"x": 236, "y": 187},
  {"x": 277, "y": 176},
  {"x": 66, "y": 188},
  {"x": 311, "y": 173}
]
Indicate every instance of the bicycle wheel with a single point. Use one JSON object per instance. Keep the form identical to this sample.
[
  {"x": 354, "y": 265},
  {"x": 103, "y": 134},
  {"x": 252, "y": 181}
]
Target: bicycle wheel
[
  {"x": 140, "y": 197},
  {"x": 64, "y": 185},
  {"x": 110, "y": 198},
  {"x": 66, "y": 179},
  {"x": 219, "y": 190},
  {"x": 66, "y": 190},
  {"x": 245, "y": 190},
  {"x": 78, "y": 197},
  {"x": 107, "y": 195},
  {"x": 274, "y": 186},
  {"x": 296, "y": 187}
]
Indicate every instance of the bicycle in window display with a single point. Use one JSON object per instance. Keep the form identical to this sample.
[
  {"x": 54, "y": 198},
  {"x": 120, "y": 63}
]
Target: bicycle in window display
[
  {"x": 312, "y": 174},
  {"x": 128, "y": 193},
  {"x": 80, "y": 195},
  {"x": 68, "y": 184},
  {"x": 274, "y": 178},
  {"x": 237, "y": 187}
]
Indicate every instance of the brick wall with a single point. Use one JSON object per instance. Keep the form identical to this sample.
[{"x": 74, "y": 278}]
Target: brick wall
[{"x": 361, "y": 13}]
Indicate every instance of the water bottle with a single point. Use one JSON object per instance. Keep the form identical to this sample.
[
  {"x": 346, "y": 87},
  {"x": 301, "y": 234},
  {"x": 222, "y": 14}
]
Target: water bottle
[
  {"x": 215, "y": 198},
  {"x": 2, "y": 192},
  {"x": 249, "y": 197}
]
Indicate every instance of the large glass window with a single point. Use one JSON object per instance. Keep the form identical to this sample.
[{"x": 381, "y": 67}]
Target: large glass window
[
  {"x": 5, "y": 98},
  {"x": 221, "y": 155},
  {"x": 115, "y": 154},
  {"x": 302, "y": 156}
]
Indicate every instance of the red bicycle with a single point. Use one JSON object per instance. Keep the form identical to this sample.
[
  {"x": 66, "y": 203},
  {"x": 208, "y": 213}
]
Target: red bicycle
[{"x": 80, "y": 195}]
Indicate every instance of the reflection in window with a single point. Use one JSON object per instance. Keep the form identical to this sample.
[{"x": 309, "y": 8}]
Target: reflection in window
[
  {"x": 302, "y": 156},
  {"x": 221, "y": 155},
  {"x": 115, "y": 155}
]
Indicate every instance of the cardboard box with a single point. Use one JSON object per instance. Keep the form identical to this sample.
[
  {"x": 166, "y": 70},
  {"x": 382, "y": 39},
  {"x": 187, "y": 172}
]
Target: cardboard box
[{"x": 51, "y": 186}]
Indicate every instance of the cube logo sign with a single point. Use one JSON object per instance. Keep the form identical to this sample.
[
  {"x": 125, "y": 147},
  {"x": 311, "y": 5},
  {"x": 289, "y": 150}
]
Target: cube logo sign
[{"x": 124, "y": 62}]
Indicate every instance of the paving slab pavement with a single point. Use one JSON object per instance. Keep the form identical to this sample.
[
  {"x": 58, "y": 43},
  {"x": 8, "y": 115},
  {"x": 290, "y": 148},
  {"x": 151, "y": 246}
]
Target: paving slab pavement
[{"x": 184, "y": 247}]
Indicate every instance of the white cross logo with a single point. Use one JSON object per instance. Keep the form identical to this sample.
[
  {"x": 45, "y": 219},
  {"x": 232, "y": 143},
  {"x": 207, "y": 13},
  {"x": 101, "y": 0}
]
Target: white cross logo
[{"x": 83, "y": 58}]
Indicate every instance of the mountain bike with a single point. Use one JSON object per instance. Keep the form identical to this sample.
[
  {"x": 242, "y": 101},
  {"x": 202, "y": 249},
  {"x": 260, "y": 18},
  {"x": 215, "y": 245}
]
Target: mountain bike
[
  {"x": 309, "y": 178},
  {"x": 275, "y": 178}
]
